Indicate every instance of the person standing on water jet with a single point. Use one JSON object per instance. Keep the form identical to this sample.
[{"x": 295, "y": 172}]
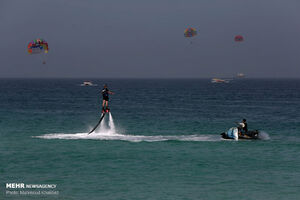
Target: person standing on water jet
[{"x": 105, "y": 94}]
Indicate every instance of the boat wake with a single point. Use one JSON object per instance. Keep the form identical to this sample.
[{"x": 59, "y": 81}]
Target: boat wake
[
  {"x": 130, "y": 138},
  {"x": 107, "y": 131},
  {"x": 263, "y": 135}
]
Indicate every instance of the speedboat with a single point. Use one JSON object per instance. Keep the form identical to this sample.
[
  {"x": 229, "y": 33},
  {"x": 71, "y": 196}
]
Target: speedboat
[
  {"x": 240, "y": 75},
  {"x": 235, "y": 134},
  {"x": 217, "y": 80},
  {"x": 87, "y": 83}
]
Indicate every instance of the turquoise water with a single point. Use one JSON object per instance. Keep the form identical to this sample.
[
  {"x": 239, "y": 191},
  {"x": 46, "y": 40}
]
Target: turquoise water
[{"x": 162, "y": 141}]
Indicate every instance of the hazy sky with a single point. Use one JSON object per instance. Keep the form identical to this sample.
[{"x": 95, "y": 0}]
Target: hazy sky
[{"x": 144, "y": 38}]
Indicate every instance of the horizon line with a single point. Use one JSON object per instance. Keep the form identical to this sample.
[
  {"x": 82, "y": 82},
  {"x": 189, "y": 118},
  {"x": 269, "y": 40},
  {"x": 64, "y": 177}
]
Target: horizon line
[{"x": 235, "y": 78}]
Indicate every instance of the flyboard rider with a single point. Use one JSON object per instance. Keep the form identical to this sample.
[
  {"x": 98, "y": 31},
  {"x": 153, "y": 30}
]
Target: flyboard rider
[{"x": 105, "y": 94}]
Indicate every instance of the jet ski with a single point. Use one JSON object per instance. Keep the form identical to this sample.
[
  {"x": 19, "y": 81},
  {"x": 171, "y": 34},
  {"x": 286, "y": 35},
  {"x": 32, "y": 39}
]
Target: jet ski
[{"x": 234, "y": 133}]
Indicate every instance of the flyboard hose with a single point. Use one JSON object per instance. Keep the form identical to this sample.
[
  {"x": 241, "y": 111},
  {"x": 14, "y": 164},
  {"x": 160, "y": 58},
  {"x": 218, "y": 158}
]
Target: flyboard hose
[{"x": 100, "y": 120}]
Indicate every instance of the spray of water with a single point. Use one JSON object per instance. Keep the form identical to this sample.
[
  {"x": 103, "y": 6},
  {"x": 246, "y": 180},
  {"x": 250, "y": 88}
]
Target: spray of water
[
  {"x": 107, "y": 126},
  {"x": 107, "y": 131},
  {"x": 111, "y": 123},
  {"x": 263, "y": 135},
  {"x": 102, "y": 126}
]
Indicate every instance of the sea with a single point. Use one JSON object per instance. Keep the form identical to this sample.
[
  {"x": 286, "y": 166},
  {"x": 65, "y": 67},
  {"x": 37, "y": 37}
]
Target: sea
[{"x": 161, "y": 140}]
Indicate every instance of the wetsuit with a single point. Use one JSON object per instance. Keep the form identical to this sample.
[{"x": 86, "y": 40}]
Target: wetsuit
[
  {"x": 244, "y": 127},
  {"x": 105, "y": 94}
]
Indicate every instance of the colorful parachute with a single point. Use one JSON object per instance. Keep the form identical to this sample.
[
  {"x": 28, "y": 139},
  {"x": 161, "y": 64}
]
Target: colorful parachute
[
  {"x": 37, "y": 46},
  {"x": 190, "y": 32},
  {"x": 239, "y": 38}
]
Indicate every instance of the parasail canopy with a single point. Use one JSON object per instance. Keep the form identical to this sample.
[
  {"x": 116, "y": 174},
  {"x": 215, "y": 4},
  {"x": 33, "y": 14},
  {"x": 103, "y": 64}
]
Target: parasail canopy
[
  {"x": 37, "y": 46},
  {"x": 190, "y": 32},
  {"x": 239, "y": 38}
]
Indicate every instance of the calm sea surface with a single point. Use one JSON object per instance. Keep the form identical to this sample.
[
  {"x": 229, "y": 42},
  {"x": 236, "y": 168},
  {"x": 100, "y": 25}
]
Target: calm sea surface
[{"x": 161, "y": 140}]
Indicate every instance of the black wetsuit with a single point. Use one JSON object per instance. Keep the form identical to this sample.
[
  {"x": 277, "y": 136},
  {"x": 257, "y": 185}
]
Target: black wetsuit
[
  {"x": 245, "y": 128},
  {"x": 105, "y": 94}
]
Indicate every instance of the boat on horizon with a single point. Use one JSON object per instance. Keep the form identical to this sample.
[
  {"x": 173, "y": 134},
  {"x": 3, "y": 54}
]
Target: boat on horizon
[
  {"x": 88, "y": 83},
  {"x": 218, "y": 80},
  {"x": 240, "y": 75}
]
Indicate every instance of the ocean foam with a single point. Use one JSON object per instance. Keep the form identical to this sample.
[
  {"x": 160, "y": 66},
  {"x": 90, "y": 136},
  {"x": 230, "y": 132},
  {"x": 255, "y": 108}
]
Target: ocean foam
[
  {"x": 107, "y": 131},
  {"x": 108, "y": 135},
  {"x": 263, "y": 135}
]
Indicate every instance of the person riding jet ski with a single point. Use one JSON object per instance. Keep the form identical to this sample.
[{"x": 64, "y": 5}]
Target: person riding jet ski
[
  {"x": 240, "y": 132},
  {"x": 243, "y": 127}
]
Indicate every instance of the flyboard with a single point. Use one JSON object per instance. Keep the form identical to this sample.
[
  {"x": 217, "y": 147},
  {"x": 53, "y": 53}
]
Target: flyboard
[{"x": 99, "y": 122}]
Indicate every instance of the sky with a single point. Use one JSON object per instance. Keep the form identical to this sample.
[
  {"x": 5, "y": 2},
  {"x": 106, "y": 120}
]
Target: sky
[{"x": 144, "y": 39}]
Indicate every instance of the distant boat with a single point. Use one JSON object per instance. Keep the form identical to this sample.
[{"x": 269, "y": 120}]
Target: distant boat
[
  {"x": 87, "y": 83},
  {"x": 240, "y": 75},
  {"x": 217, "y": 80}
]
